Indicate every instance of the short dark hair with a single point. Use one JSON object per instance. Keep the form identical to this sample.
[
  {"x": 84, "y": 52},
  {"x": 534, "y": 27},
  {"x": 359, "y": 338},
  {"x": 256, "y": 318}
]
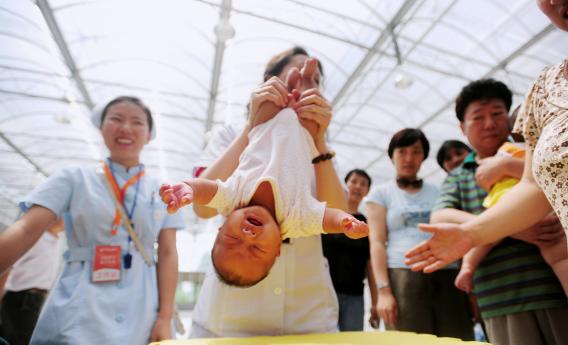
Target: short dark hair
[
  {"x": 448, "y": 145},
  {"x": 134, "y": 100},
  {"x": 480, "y": 90},
  {"x": 406, "y": 137},
  {"x": 276, "y": 64},
  {"x": 233, "y": 279},
  {"x": 359, "y": 172}
]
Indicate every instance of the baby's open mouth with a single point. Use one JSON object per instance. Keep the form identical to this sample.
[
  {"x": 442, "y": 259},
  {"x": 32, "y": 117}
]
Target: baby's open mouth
[{"x": 254, "y": 221}]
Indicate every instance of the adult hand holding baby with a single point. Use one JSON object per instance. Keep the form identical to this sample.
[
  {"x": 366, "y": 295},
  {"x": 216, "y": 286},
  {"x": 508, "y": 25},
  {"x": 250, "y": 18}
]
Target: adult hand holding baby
[
  {"x": 301, "y": 92},
  {"x": 313, "y": 110}
]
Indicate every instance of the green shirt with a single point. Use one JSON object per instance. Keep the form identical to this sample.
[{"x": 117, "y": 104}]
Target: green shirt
[{"x": 513, "y": 277}]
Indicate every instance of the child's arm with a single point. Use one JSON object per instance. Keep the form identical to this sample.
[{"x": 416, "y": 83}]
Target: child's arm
[
  {"x": 338, "y": 221},
  {"x": 198, "y": 191},
  {"x": 493, "y": 169}
]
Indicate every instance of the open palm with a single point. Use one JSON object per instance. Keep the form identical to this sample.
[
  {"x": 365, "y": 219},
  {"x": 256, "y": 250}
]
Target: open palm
[{"x": 448, "y": 244}]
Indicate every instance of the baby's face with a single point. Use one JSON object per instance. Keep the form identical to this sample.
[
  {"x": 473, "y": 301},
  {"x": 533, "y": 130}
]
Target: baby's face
[{"x": 247, "y": 243}]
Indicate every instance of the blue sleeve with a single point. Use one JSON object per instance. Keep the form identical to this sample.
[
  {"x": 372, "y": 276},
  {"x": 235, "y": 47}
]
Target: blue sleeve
[
  {"x": 54, "y": 194},
  {"x": 174, "y": 221},
  {"x": 378, "y": 196}
]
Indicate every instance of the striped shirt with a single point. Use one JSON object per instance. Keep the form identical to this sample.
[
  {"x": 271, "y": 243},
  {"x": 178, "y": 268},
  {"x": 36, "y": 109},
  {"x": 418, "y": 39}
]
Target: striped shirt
[{"x": 513, "y": 277}]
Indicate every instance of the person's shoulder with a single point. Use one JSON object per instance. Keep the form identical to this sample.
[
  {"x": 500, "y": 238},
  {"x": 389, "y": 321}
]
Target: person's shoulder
[
  {"x": 548, "y": 74},
  {"x": 553, "y": 71},
  {"x": 388, "y": 185},
  {"x": 459, "y": 172},
  {"x": 430, "y": 187},
  {"x": 75, "y": 172},
  {"x": 381, "y": 188},
  {"x": 225, "y": 131}
]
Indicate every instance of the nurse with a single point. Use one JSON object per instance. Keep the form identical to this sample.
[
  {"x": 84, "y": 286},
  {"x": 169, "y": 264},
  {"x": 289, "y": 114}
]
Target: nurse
[{"x": 110, "y": 291}]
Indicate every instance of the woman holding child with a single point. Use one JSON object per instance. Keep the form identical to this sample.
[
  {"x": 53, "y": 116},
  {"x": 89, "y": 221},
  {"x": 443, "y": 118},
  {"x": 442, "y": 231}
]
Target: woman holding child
[{"x": 295, "y": 297}]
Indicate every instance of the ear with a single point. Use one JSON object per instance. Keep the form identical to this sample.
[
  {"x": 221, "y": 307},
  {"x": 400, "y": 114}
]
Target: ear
[{"x": 462, "y": 127}]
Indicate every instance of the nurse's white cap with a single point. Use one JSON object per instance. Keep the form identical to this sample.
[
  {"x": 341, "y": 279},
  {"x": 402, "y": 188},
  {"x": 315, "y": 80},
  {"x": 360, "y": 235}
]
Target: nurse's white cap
[{"x": 97, "y": 115}]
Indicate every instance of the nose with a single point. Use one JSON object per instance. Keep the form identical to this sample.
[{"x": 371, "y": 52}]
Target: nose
[
  {"x": 249, "y": 232},
  {"x": 489, "y": 123},
  {"x": 125, "y": 126}
]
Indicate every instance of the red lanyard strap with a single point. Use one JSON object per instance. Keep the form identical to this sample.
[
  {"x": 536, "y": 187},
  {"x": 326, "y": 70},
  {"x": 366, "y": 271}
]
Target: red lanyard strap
[{"x": 119, "y": 192}]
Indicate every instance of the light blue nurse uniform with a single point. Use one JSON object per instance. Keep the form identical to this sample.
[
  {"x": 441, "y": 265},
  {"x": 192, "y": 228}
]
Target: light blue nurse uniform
[{"x": 78, "y": 311}]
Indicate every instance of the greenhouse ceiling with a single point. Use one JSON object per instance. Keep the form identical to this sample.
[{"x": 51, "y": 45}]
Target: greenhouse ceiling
[{"x": 388, "y": 64}]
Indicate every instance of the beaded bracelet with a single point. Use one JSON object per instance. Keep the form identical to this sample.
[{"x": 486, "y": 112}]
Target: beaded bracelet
[{"x": 323, "y": 157}]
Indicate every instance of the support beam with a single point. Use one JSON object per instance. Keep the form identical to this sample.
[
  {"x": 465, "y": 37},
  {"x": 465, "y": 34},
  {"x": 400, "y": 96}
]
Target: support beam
[
  {"x": 21, "y": 153},
  {"x": 217, "y": 65},
  {"x": 36, "y": 96},
  {"x": 64, "y": 50},
  {"x": 383, "y": 37},
  {"x": 290, "y": 25},
  {"x": 500, "y": 65}
]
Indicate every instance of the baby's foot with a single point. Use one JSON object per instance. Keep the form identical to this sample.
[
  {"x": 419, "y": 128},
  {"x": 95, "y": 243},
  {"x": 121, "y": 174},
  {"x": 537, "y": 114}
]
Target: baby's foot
[{"x": 464, "y": 279}]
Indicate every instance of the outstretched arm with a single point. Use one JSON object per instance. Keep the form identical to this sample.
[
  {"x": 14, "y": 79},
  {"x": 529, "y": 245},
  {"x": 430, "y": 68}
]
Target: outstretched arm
[
  {"x": 198, "y": 191},
  {"x": 450, "y": 215},
  {"x": 339, "y": 221},
  {"x": 23, "y": 234},
  {"x": 523, "y": 206}
]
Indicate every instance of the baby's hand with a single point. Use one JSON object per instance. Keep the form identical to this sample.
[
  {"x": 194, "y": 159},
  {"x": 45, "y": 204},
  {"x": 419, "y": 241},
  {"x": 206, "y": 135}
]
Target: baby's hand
[
  {"x": 354, "y": 228},
  {"x": 176, "y": 196}
]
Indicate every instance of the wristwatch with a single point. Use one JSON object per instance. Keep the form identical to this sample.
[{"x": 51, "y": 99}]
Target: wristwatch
[{"x": 382, "y": 286}]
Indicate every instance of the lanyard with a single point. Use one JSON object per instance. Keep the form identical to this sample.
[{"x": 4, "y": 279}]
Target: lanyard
[{"x": 120, "y": 192}]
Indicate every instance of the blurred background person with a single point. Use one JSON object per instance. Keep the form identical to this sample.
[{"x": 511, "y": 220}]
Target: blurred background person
[
  {"x": 27, "y": 285},
  {"x": 349, "y": 261},
  {"x": 451, "y": 154},
  {"x": 411, "y": 301}
]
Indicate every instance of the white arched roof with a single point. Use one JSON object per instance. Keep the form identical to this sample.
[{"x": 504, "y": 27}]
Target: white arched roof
[{"x": 59, "y": 58}]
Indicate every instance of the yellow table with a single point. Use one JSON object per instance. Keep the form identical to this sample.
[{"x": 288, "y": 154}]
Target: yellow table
[{"x": 344, "y": 338}]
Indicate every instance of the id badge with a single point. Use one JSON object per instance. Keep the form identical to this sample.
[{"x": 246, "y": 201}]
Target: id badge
[{"x": 106, "y": 264}]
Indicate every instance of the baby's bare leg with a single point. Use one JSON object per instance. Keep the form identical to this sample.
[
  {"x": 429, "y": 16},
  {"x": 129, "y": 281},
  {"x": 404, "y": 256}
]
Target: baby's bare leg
[{"x": 470, "y": 262}]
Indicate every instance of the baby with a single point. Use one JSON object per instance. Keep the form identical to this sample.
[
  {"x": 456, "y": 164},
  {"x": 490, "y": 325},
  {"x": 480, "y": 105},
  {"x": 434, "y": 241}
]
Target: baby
[{"x": 267, "y": 198}]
